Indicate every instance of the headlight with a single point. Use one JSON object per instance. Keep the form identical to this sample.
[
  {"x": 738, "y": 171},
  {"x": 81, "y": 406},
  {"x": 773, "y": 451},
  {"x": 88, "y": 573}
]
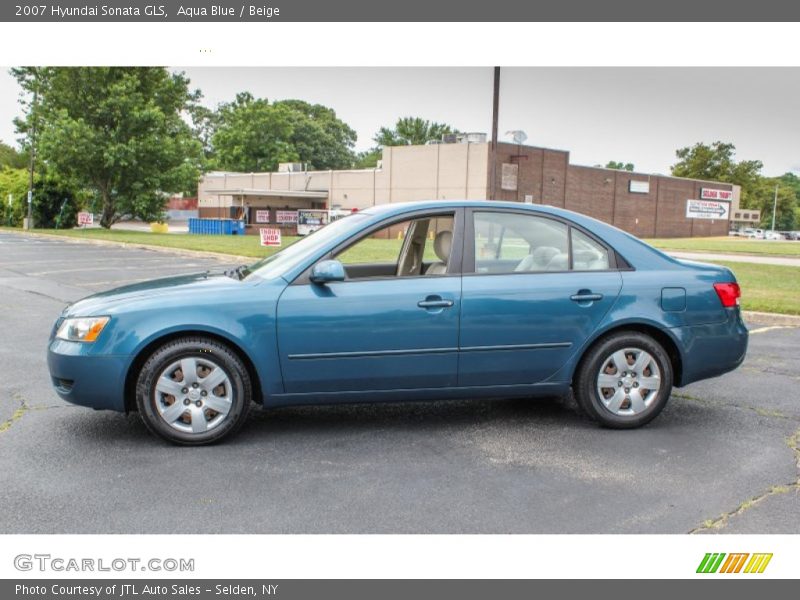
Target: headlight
[{"x": 84, "y": 329}]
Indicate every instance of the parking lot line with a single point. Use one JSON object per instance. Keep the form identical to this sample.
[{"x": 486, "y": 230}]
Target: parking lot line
[{"x": 769, "y": 328}]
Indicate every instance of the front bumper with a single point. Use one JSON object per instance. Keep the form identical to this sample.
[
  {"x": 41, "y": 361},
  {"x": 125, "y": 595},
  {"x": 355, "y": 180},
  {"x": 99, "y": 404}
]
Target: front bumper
[
  {"x": 712, "y": 349},
  {"x": 79, "y": 377}
]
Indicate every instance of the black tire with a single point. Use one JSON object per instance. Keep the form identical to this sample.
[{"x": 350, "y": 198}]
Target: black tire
[
  {"x": 208, "y": 351},
  {"x": 585, "y": 385}
]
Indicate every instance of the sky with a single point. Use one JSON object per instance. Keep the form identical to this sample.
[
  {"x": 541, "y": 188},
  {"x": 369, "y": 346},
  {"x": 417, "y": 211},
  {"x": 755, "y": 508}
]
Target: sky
[{"x": 638, "y": 115}]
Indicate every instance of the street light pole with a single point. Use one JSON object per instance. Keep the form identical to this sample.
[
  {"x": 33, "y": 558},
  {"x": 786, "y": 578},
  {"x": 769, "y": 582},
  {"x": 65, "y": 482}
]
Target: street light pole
[{"x": 774, "y": 206}]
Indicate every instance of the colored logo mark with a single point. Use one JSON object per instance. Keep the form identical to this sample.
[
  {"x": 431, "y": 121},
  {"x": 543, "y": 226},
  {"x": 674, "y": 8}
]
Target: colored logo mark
[{"x": 737, "y": 562}]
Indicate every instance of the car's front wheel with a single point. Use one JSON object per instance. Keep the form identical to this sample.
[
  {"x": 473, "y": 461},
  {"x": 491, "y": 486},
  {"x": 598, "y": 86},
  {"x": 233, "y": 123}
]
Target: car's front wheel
[
  {"x": 624, "y": 381},
  {"x": 193, "y": 391}
]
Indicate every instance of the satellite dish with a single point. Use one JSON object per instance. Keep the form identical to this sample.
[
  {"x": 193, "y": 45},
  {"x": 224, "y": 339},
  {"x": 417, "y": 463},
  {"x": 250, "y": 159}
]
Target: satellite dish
[{"x": 518, "y": 135}]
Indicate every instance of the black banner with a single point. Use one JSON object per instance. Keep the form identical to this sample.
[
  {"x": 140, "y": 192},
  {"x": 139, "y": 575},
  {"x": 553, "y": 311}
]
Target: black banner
[{"x": 408, "y": 10}]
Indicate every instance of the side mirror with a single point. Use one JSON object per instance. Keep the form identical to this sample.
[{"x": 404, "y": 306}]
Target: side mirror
[{"x": 327, "y": 271}]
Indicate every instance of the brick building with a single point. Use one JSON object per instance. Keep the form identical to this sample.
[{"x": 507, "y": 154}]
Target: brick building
[{"x": 643, "y": 204}]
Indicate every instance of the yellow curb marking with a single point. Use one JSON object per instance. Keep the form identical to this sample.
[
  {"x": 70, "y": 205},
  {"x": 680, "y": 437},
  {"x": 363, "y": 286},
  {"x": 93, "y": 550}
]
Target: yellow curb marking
[{"x": 14, "y": 417}]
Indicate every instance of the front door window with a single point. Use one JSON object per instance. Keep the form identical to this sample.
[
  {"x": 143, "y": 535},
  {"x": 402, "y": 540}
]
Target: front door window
[{"x": 410, "y": 248}]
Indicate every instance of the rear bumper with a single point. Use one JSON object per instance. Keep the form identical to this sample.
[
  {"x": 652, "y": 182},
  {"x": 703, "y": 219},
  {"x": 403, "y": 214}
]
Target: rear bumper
[
  {"x": 85, "y": 379},
  {"x": 713, "y": 349}
]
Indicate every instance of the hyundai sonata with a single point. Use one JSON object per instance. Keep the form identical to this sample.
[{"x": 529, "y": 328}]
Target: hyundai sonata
[{"x": 417, "y": 301}]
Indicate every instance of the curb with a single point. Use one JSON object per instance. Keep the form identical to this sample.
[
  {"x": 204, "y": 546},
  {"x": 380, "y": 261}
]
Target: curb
[
  {"x": 764, "y": 318},
  {"x": 165, "y": 249}
]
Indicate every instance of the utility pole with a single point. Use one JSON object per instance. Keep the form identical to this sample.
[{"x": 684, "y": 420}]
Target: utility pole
[
  {"x": 32, "y": 150},
  {"x": 495, "y": 118},
  {"x": 774, "y": 206}
]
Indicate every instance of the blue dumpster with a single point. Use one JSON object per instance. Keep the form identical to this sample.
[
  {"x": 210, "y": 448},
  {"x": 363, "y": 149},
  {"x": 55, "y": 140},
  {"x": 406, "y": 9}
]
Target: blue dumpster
[{"x": 216, "y": 226}]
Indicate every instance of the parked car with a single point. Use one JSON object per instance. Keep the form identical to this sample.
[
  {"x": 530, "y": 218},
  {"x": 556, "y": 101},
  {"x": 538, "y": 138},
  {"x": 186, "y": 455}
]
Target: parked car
[
  {"x": 773, "y": 235},
  {"x": 756, "y": 234},
  {"x": 479, "y": 299},
  {"x": 791, "y": 235}
]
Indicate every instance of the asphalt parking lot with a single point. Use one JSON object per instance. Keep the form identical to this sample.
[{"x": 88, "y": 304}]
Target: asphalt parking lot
[{"x": 723, "y": 457}]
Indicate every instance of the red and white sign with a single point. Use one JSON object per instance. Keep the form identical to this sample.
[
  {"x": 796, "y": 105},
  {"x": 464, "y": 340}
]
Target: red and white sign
[
  {"x": 283, "y": 217},
  {"x": 270, "y": 237},
  {"x": 262, "y": 216},
  {"x": 85, "y": 218},
  {"x": 709, "y": 194}
]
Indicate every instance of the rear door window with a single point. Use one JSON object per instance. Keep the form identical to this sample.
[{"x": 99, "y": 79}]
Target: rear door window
[{"x": 511, "y": 242}]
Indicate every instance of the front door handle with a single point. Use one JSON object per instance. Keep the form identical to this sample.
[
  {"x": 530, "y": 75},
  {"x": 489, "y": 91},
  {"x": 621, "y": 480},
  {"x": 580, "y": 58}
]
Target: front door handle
[
  {"x": 586, "y": 296},
  {"x": 434, "y": 302}
]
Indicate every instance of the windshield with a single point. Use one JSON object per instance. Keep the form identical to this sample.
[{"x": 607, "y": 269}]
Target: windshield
[{"x": 280, "y": 262}]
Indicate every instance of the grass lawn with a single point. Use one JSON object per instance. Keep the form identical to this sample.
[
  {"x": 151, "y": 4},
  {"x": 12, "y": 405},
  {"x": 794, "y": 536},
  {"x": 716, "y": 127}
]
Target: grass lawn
[
  {"x": 244, "y": 245},
  {"x": 768, "y": 288},
  {"x": 367, "y": 251},
  {"x": 728, "y": 245}
]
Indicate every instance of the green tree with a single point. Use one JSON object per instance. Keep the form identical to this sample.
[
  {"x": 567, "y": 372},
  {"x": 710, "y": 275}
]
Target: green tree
[
  {"x": 118, "y": 131},
  {"x": 793, "y": 181},
  {"x": 412, "y": 131},
  {"x": 204, "y": 123},
  {"x": 252, "y": 135},
  {"x": 319, "y": 138},
  {"x": 368, "y": 159},
  {"x": 612, "y": 164},
  {"x": 716, "y": 162},
  {"x": 49, "y": 194},
  {"x": 763, "y": 198},
  {"x": 13, "y": 182},
  {"x": 55, "y": 202},
  {"x": 9, "y": 157}
]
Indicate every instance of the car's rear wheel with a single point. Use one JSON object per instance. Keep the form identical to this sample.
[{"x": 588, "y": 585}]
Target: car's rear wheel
[
  {"x": 193, "y": 391},
  {"x": 624, "y": 381}
]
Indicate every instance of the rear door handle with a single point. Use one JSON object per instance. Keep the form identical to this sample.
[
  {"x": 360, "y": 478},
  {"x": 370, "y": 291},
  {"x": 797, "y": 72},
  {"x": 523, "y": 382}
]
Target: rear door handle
[
  {"x": 585, "y": 296},
  {"x": 435, "y": 303}
]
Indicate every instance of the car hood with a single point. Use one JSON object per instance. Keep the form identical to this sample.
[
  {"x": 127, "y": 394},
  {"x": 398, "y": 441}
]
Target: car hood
[{"x": 189, "y": 287}]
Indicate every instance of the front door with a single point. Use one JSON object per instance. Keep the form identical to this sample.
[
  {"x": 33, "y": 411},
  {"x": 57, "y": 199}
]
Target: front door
[{"x": 391, "y": 325}]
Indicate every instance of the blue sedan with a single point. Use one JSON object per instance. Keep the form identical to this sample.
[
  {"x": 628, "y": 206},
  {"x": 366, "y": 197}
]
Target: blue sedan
[{"x": 418, "y": 301}]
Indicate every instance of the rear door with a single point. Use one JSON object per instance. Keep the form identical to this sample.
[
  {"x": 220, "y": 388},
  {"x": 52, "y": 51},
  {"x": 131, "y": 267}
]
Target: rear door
[{"x": 534, "y": 289}]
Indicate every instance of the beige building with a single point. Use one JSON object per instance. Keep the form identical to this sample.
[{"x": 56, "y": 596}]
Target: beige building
[
  {"x": 406, "y": 173},
  {"x": 646, "y": 205},
  {"x": 742, "y": 217}
]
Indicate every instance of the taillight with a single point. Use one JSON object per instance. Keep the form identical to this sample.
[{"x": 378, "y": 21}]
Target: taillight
[{"x": 729, "y": 294}]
